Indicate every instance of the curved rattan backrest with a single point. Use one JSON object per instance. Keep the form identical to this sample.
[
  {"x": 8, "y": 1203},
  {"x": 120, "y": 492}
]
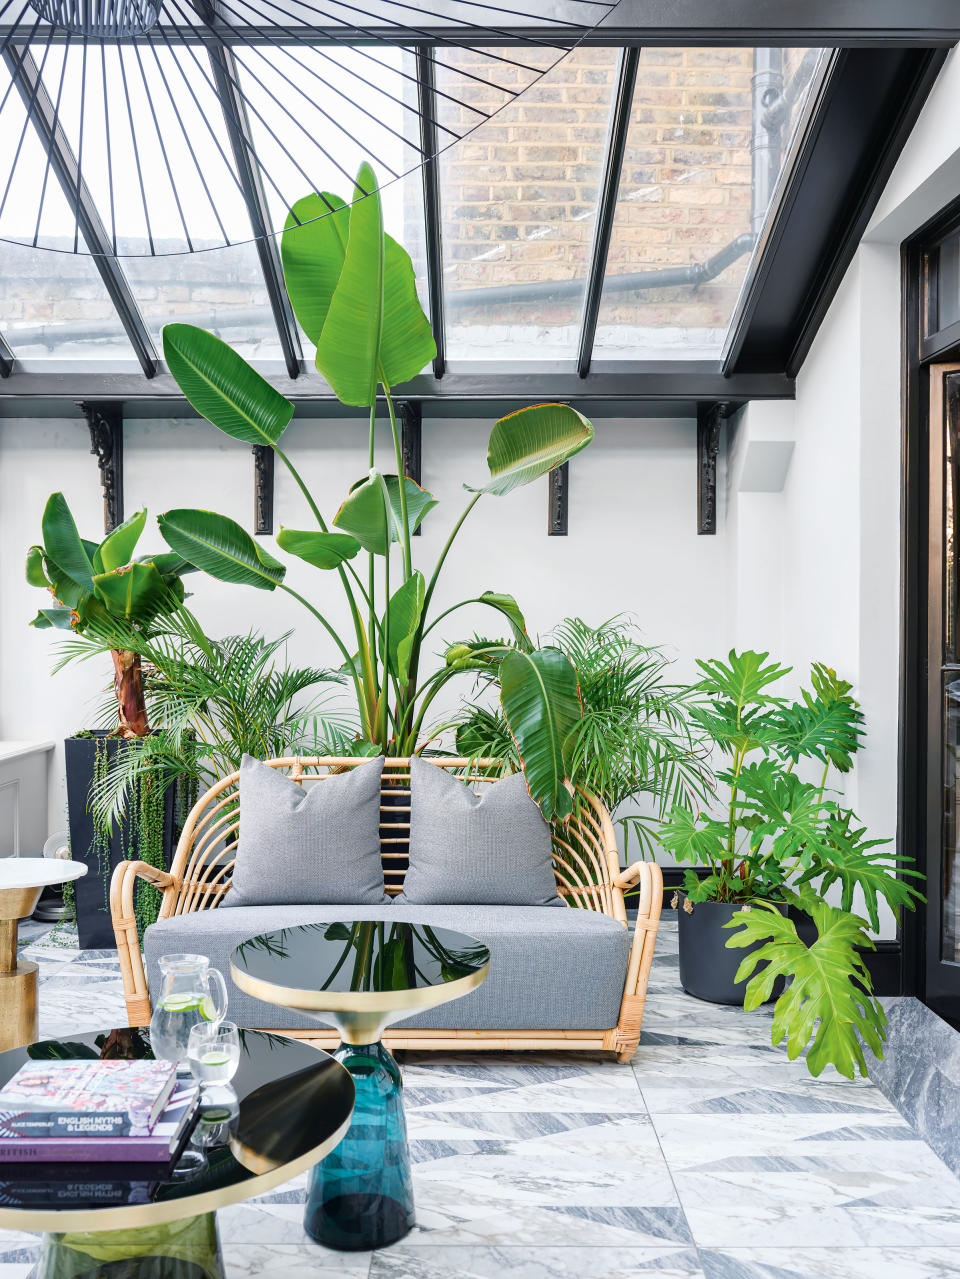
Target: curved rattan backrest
[{"x": 585, "y": 857}]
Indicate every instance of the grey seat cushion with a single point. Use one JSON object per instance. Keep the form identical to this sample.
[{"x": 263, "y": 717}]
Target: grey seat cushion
[
  {"x": 493, "y": 847},
  {"x": 313, "y": 844},
  {"x": 560, "y": 969}
]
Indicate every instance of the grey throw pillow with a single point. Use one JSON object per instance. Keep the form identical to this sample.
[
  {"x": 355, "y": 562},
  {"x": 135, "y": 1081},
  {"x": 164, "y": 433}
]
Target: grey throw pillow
[
  {"x": 317, "y": 844},
  {"x": 493, "y": 848}
]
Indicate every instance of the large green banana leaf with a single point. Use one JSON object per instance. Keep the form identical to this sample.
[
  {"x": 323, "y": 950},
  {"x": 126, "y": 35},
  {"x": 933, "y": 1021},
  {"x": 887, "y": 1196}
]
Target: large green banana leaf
[
  {"x": 135, "y": 592},
  {"x": 348, "y": 351},
  {"x": 313, "y": 246},
  {"x": 529, "y": 443},
  {"x": 117, "y": 547},
  {"x": 62, "y": 546},
  {"x": 541, "y": 701},
  {"x": 223, "y": 387},
  {"x": 220, "y": 547},
  {"x": 362, "y": 512},
  {"x": 36, "y": 574},
  {"x": 322, "y": 550},
  {"x": 312, "y": 249},
  {"x": 406, "y": 605}
]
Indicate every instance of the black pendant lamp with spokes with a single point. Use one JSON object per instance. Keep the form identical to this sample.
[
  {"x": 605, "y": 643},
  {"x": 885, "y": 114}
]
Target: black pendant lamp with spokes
[{"x": 183, "y": 125}]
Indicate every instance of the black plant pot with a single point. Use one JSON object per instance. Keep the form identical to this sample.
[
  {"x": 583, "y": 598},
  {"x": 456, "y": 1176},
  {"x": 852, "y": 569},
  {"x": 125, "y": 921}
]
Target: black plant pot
[
  {"x": 92, "y": 891},
  {"x": 707, "y": 967}
]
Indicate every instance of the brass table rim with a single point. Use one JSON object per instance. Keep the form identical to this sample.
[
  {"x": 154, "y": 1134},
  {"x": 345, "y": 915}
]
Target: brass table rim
[
  {"x": 357, "y": 1001},
  {"x": 124, "y": 1216}
]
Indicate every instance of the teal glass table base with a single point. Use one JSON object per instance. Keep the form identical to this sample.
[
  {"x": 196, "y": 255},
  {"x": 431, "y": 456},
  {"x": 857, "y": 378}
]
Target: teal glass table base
[
  {"x": 186, "y": 1249},
  {"x": 361, "y": 1195}
]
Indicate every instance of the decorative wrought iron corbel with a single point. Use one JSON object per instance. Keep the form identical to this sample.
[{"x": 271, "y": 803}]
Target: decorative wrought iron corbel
[
  {"x": 709, "y": 421},
  {"x": 559, "y": 479},
  {"x": 105, "y": 420},
  {"x": 262, "y": 488},
  {"x": 411, "y": 439}
]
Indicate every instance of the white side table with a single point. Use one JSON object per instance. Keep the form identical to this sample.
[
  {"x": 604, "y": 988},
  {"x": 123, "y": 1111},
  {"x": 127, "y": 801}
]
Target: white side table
[{"x": 22, "y": 880}]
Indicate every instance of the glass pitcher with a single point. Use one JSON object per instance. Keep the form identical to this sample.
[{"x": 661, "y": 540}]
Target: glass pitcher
[{"x": 185, "y": 999}]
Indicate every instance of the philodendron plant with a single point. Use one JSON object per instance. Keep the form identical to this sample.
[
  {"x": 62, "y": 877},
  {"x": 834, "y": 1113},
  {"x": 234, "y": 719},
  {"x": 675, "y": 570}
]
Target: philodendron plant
[
  {"x": 100, "y": 591},
  {"x": 784, "y": 841},
  {"x": 353, "y": 290}
]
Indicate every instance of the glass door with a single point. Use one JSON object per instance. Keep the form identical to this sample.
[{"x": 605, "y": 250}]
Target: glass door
[{"x": 943, "y": 707}]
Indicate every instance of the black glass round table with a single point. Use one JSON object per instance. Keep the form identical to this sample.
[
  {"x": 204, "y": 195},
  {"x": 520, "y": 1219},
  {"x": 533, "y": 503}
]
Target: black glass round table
[
  {"x": 361, "y": 977},
  {"x": 288, "y": 1106}
]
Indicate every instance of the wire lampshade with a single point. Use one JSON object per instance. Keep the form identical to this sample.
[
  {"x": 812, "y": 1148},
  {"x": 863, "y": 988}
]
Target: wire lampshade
[
  {"x": 100, "y": 19},
  {"x": 153, "y": 127}
]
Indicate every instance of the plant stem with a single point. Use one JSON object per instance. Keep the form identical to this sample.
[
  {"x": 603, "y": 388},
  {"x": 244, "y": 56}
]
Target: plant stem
[
  {"x": 398, "y": 453},
  {"x": 360, "y": 631},
  {"x": 361, "y": 701}
]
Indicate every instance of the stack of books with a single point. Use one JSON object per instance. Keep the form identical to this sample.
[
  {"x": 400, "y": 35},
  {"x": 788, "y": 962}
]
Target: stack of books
[{"x": 93, "y": 1111}]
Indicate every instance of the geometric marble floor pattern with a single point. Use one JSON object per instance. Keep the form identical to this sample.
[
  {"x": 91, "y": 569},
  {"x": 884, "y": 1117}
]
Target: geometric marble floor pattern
[{"x": 710, "y": 1156}]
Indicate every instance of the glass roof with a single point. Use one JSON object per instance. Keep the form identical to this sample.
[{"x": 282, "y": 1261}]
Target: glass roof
[{"x": 520, "y": 195}]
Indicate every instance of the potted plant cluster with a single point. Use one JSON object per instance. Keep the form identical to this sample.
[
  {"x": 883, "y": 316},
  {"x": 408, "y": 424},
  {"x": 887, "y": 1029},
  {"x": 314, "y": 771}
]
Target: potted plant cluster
[
  {"x": 112, "y": 600},
  {"x": 635, "y": 745},
  {"x": 793, "y": 880},
  {"x": 353, "y": 291}
]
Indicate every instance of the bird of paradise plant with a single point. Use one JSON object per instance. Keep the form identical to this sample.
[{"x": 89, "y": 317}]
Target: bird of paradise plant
[{"x": 353, "y": 290}]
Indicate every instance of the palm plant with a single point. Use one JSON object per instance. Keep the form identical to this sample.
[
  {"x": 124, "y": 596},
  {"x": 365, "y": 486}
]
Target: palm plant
[
  {"x": 635, "y": 743},
  {"x": 100, "y": 590},
  {"x": 213, "y": 704},
  {"x": 353, "y": 290}
]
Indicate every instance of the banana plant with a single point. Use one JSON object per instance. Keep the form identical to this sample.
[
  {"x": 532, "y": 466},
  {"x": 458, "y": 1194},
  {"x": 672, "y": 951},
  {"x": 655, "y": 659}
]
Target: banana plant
[
  {"x": 353, "y": 290},
  {"x": 100, "y": 590}
]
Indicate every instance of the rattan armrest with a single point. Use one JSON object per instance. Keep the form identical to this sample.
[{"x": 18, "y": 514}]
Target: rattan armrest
[
  {"x": 627, "y": 878},
  {"x": 154, "y": 874}
]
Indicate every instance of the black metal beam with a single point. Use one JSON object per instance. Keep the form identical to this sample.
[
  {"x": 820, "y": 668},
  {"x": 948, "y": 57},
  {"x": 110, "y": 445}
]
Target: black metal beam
[
  {"x": 783, "y": 23},
  {"x": 683, "y": 383},
  {"x": 868, "y": 104},
  {"x": 263, "y": 461},
  {"x": 709, "y": 421},
  {"x": 559, "y": 496},
  {"x": 26, "y": 76},
  {"x": 6, "y": 358},
  {"x": 432, "y": 220},
  {"x": 226, "y": 79},
  {"x": 607, "y": 207},
  {"x": 105, "y": 421}
]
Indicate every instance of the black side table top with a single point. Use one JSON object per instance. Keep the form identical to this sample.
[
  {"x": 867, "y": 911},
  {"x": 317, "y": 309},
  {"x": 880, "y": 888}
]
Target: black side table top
[{"x": 295, "y": 1104}]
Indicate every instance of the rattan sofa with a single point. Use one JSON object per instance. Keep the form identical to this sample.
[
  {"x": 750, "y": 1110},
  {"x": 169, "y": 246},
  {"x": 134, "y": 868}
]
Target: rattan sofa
[{"x": 587, "y": 950}]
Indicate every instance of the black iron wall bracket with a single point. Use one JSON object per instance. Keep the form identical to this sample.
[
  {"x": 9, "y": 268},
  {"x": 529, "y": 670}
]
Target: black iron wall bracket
[
  {"x": 559, "y": 479},
  {"x": 262, "y": 489},
  {"x": 709, "y": 421},
  {"x": 105, "y": 420},
  {"x": 411, "y": 442}
]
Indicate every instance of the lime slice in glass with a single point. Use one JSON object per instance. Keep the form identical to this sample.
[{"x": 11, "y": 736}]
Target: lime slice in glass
[{"x": 180, "y": 1003}]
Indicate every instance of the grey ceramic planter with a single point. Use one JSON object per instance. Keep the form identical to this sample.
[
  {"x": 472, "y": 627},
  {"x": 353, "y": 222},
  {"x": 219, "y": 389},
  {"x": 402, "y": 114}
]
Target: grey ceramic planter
[{"x": 707, "y": 967}]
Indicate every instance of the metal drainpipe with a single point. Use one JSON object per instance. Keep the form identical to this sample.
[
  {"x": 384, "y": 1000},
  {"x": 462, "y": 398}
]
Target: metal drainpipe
[{"x": 767, "y": 88}]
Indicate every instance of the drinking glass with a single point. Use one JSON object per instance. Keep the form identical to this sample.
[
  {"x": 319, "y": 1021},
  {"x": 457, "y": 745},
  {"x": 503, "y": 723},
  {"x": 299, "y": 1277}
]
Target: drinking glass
[{"x": 213, "y": 1051}]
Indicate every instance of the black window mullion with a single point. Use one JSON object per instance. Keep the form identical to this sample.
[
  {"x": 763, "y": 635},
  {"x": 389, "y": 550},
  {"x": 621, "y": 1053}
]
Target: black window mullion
[
  {"x": 607, "y": 205},
  {"x": 427, "y": 104}
]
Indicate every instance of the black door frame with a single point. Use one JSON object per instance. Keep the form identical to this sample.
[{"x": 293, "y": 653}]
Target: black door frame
[{"x": 919, "y": 830}]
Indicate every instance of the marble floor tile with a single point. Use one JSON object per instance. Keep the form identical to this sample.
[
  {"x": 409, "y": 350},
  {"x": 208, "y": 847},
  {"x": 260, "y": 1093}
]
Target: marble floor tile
[
  {"x": 832, "y": 1263},
  {"x": 280, "y": 1261},
  {"x": 428, "y": 1262}
]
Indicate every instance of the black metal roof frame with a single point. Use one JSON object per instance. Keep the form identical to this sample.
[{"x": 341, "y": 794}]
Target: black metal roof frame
[{"x": 856, "y": 128}]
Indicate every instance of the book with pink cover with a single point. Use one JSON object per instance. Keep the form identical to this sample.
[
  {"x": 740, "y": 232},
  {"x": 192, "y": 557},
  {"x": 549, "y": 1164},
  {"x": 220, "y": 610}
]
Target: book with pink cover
[
  {"x": 159, "y": 1147},
  {"x": 84, "y": 1098}
]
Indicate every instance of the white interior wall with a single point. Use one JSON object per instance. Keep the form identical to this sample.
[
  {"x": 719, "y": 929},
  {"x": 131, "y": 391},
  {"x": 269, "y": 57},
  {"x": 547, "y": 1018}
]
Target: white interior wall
[{"x": 632, "y": 544}]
